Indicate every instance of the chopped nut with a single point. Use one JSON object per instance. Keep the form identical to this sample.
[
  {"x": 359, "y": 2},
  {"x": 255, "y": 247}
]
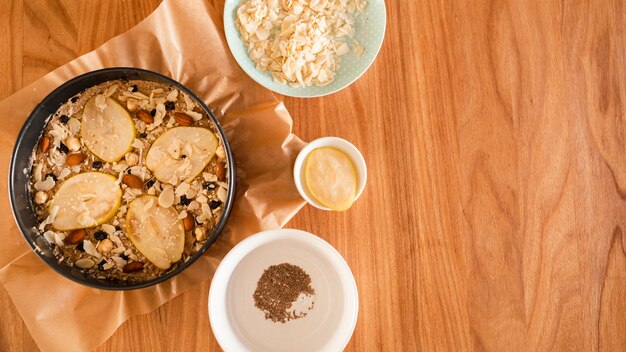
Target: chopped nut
[
  {"x": 220, "y": 170},
  {"x": 200, "y": 233},
  {"x": 41, "y": 197},
  {"x": 105, "y": 246},
  {"x": 132, "y": 104},
  {"x": 44, "y": 144},
  {"x": 84, "y": 263},
  {"x": 220, "y": 152},
  {"x": 131, "y": 159},
  {"x": 132, "y": 267},
  {"x": 75, "y": 237},
  {"x": 74, "y": 159},
  {"x": 73, "y": 144},
  {"x": 183, "y": 119},
  {"x": 132, "y": 181},
  {"x": 166, "y": 198},
  {"x": 189, "y": 222},
  {"x": 145, "y": 116}
]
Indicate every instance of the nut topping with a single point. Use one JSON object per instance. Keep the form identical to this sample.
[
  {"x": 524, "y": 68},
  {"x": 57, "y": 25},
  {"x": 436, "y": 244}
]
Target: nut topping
[
  {"x": 145, "y": 116},
  {"x": 132, "y": 267},
  {"x": 44, "y": 145},
  {"x": 75, "y": 159},
  {"x": 132, "y": 181},
  {"x": 75, "y": 237},
  {"x": 183, "y": 119},
  {"x": 220, "y": 170},
  {"x": 189, "y": 222}
]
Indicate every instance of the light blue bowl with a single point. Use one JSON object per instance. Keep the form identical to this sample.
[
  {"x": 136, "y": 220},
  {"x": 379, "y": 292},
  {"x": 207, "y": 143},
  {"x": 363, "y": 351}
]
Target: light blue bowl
[{"x": 369, "y": 31}]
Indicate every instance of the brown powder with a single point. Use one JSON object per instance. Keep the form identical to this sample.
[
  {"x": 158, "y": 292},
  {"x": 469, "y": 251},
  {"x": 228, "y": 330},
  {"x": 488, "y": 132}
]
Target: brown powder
[{"x": 277, "y": 290}]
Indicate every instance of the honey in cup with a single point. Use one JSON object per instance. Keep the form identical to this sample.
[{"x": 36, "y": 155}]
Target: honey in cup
[{"x": 330, "y": 177}]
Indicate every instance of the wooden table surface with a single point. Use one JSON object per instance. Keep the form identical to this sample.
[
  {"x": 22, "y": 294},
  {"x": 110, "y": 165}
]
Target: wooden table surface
[{"x": 494, "y": 133}]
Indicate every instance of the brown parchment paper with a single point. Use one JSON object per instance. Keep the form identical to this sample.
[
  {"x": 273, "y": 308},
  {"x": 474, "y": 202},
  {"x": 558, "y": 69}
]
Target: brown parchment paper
[{"x": 182, "y": 39}]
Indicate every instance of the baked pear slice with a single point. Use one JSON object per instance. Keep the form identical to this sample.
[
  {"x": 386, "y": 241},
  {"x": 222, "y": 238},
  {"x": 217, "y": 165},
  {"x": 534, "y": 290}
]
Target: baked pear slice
[
  {"x": 107, "y": 128},
  {"x": 155, "y": 231},
  {"x": 331, "y": 178},
  {"x": 86, "y": 200},
  {"x": 181, "y": 153}
]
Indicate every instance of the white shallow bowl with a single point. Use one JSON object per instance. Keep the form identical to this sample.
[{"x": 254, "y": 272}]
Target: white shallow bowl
[
  {"x": 335, "y": 142},
  {"x": 239, "y": 326}
]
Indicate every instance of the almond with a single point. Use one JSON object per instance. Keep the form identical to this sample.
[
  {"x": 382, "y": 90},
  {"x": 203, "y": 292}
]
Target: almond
[
  {"x": 220, "y": 170},
  {"x": 145, "y": 116},
  {"x": 183, "y": 119},
  {"x": 75, "y": 159},
  {"x": 132, "y": 267},
  {"x": 132, "y": 181},
  {"x": 189, "y": 222},
  {"x": 44, "y": 145},
  {"x": 75, "y": 237}
]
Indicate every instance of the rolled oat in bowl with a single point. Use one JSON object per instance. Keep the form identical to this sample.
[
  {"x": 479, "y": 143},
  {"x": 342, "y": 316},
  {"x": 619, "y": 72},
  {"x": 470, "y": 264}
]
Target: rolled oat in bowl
[{"x": 128, "y": 179}]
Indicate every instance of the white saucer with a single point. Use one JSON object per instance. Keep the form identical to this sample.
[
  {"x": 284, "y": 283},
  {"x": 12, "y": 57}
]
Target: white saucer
[{"x": 239, "y": 326}]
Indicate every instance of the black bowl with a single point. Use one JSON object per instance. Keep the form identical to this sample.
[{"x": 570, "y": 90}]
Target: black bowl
[{"x": 20, "y": 171}]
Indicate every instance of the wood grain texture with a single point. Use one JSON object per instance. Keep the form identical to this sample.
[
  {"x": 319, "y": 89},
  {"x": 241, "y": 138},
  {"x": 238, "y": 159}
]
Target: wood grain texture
[{"x": 494, "y": 215}]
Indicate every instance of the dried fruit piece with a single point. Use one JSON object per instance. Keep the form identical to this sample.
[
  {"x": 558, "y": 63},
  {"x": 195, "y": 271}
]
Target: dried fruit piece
[
  {"x": 108, "y": 132},
  {"x": 183, "y": 119},
  {"x": 74, "y": 159},
  {"x": 189, "y": 222},
  {"x": 86, "y": 200},
  {"x": 155, "y": 231},
  {"x": 75, "y": 237},
  {"x": 165, "y": 157},
  {"x": 145, "y": 116},
  {"x": 132, "y": 181},
  {"x": 132, "y": 267},
  {"x": 330, "y": 177}
]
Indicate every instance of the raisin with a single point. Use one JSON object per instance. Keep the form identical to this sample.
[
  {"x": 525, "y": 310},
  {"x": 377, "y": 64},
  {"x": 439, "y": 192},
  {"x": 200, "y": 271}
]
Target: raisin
[
  {"x": 153, "y": 112},
  {"x": 208, "y": 185},
  {"x": 64, "y": 118},
  {"x": 96, "y": 164},
  {"x": 184, "y": 200},
  {"x": 143, "y": 135},
  {"x": 63, "y": 148},
  {"x": 214, "y": 204},
  {"x": 133, "y": 88},
  {"x": 100, "y": 235},
  {"x": 170, "y": 105},
  {"x": 149, "y": 183},
  {"x": 79, "y": 246}
]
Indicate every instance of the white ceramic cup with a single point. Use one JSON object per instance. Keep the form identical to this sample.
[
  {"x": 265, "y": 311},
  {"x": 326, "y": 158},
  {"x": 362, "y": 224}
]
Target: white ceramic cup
[{"x": 335, "y": 142}]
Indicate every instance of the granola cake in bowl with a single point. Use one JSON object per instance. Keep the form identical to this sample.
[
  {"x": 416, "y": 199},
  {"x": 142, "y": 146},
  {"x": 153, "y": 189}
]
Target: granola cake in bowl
[{"x": 121, "y": 178}]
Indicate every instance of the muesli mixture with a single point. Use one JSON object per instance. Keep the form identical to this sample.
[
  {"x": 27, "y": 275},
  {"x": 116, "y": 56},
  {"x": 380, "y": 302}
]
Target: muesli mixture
[{"x": 128, "y": 180}]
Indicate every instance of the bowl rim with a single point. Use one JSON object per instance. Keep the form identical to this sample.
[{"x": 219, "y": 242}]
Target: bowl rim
[
  {"x": 217, "y": 308},
  {"x": 226, "y": 18},
  {"x": 144, "y": 75}
]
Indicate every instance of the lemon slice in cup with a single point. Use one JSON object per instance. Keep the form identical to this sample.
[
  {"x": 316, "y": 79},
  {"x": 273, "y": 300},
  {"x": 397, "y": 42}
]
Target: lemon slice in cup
[{"x": 331, "y": 178}]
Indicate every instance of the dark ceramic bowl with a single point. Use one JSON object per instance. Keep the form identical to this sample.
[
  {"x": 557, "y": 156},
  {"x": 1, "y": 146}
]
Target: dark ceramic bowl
[{"x": 20, "y": 171}]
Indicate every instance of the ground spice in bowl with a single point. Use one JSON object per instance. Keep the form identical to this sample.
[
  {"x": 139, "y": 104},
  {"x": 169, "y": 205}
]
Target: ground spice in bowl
[{"x": 279, "y": 288}]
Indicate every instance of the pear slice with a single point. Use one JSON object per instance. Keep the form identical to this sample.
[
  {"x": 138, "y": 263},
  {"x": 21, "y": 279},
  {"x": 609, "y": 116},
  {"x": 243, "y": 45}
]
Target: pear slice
[
  {"x": 86, "y": 200},
  {"x": 330, "y": 177},
  {"x": 181, "y": 154},
  {"x": 156, "y": 231},
  {"x": 107, "y": 128}
]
